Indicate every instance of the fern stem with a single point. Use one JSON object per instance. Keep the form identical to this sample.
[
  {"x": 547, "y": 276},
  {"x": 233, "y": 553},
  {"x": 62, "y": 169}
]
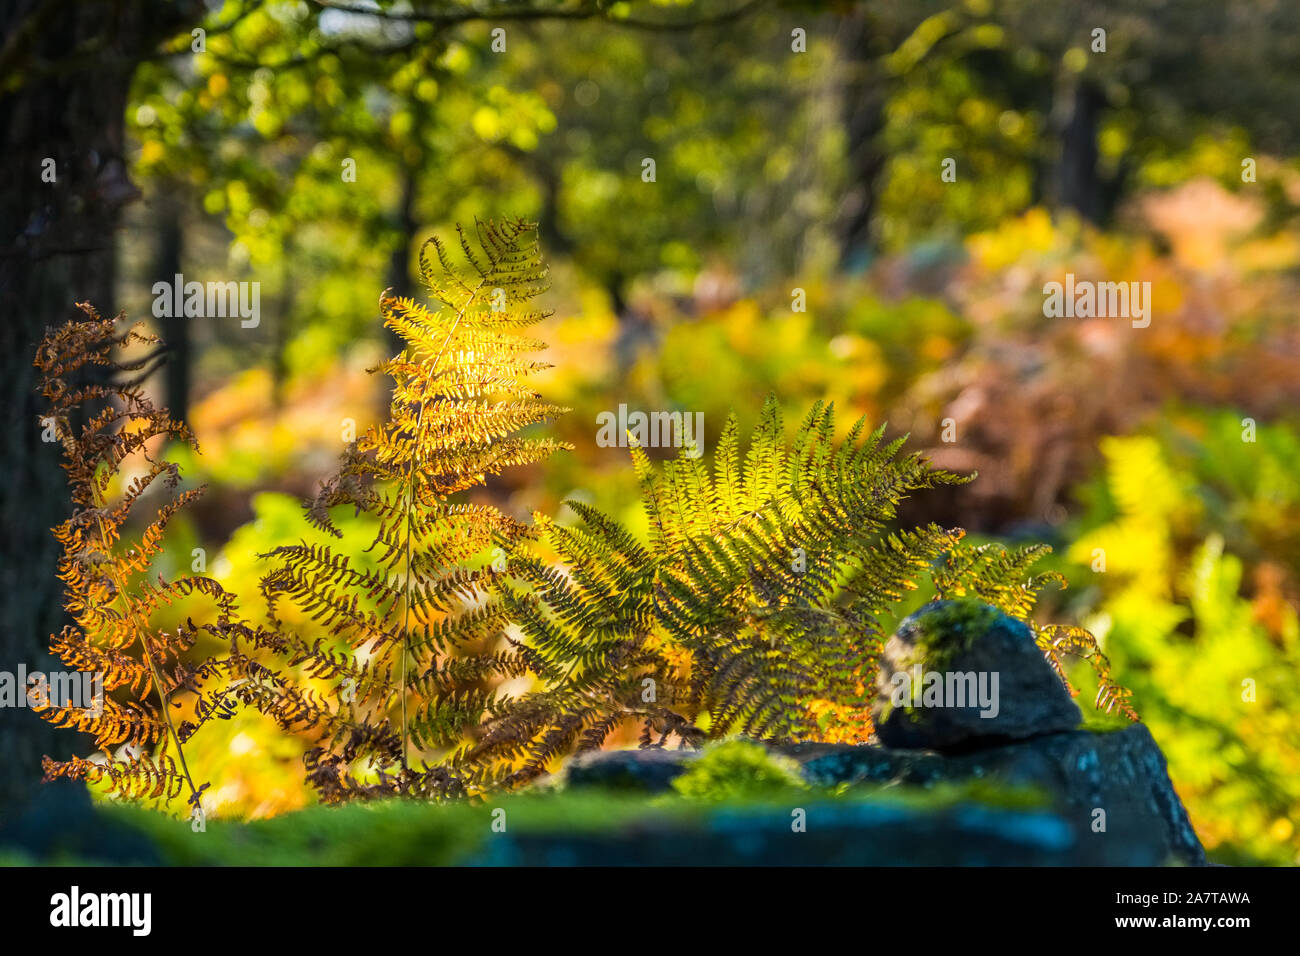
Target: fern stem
[{"x": 410, "y": 511}]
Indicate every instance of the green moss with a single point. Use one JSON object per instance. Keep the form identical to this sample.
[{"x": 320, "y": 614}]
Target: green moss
[
  {"x": 945, "y": 794},
  {"x": 949, "y": 628},
  {"x": 1099, "y": 722},
  {"x": 738, "y": 770},
  {"x": 734, "y": 776},
  {"x": 983, "y": 792},
  {"x": 390, "y": 832},
  {"x": 940, "y": 633}
]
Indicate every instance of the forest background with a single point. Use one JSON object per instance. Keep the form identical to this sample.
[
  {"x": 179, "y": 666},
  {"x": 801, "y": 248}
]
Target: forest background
[{"x": 860, "y": 202}]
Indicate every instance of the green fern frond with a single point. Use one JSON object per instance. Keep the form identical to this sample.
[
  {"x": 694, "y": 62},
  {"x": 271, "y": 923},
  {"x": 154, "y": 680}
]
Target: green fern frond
[
  {"x": 755, "y": 607},
  {"x": 759, "y": 605}
]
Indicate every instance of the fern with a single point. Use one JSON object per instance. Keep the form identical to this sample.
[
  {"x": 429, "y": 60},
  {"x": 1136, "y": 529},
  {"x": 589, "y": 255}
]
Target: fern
[
  {"x": 407, "y": 641},
  {"x": 756, "y": 606},
  {"x": 1000, "y": 577},
  {"x": 760, "y": 604},
  {"x": 103, "y": 427}
]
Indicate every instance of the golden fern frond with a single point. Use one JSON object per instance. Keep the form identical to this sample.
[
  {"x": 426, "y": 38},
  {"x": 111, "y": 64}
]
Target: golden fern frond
[
  {"x": 137, "y": 777},
  {"x": 1000, "y": 576},
  {"x": 422, "y": 619},
  {"x": 1062, "y": 639}
]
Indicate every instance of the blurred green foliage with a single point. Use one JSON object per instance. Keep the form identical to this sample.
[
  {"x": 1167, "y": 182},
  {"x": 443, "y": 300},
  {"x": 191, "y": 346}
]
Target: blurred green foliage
[{"x": 1175, "y": 524}]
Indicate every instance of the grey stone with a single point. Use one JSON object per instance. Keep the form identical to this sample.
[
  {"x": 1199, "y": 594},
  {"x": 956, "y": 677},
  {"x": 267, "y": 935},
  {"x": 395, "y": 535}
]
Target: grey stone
[
  {"x": 844, "y": 834},
  {"x": 643, "y": 771},
  {"x": 1001, "y": 655},
  {"x": 1110, "y": 798},
  {"x": 1122, "y": 773}
]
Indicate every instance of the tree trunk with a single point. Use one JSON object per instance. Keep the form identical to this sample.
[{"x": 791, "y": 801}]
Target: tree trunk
[
  {"x": 406, "y": 228},
  {"x": 1076, "y": 115},
  {"x": 168, "y": 253},
  {"x": 282, "y": 331},
  {"x": 65, "y": 74},
  {"x": 863, "y": 98}
]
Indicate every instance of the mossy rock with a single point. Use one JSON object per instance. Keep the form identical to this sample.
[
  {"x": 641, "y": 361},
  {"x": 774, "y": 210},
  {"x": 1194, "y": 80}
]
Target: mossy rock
[
  {"x": 962, "y": 674},
  {"x": 1028, "y": 803}
]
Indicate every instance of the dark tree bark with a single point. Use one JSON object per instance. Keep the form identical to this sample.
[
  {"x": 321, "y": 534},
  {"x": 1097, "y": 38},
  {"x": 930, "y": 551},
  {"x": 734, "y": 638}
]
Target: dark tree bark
[
  {"x": 65, "y": 74},
  {"x": 282, "y": 333},
  {"x": 1076, "y": 180},
  {"x": 399, "y": 264},
  {"x": 554, "y": 239},
  {"x": 168, "y": 253},
  {"x": 864, "y": 95}
]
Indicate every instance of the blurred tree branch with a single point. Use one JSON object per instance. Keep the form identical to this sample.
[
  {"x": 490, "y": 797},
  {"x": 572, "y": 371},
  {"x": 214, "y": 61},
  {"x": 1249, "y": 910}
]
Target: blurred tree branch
[{"x": 583, "y": 11}]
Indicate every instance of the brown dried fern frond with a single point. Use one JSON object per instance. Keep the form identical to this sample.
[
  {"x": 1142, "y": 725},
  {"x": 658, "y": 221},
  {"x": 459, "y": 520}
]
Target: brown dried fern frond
[{"x": 104, "y": 423}]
